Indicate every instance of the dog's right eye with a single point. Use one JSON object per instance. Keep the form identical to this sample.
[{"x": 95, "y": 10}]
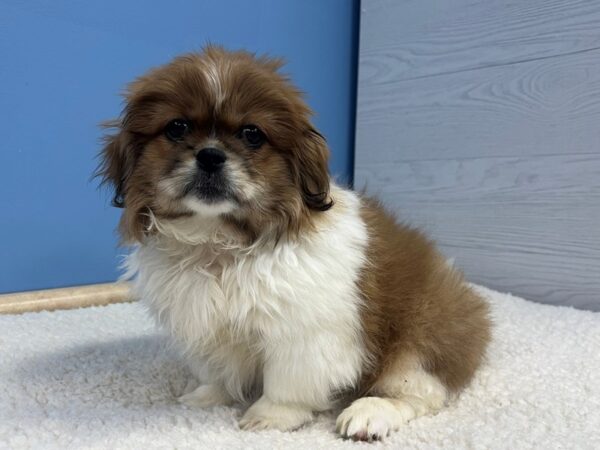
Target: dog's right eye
[{"x": 177, "y": 129}]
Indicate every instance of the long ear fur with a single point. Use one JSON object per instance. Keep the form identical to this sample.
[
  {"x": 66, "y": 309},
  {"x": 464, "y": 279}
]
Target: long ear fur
[
  {"x": 116, "y": 164},
  {"x": 117, "y": 161},
  {"x": 311, "y": 173}
]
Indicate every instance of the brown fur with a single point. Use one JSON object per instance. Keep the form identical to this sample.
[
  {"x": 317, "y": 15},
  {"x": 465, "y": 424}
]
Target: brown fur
[
  {"x": 418, "y": 310},
  {"x": 292, "y": 165},
  {"x": 418, "y": 305}
]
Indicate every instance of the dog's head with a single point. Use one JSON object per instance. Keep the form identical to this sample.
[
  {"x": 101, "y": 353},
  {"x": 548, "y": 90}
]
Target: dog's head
[{"x": 220, "y": 135}]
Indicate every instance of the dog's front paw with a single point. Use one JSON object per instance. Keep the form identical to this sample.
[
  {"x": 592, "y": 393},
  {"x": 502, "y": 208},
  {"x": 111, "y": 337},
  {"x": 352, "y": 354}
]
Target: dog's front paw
[
  {"x": 371, "y": 419},
  {"x": 266, "y": 415},
  {"x": 205, "y": 396}
]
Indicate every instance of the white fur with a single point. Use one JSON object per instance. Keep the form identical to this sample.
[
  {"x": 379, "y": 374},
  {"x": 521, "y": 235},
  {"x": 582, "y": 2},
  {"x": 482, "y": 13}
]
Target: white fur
[
  {"x": 407, "y": 391},
  {"x": 208, "y": 209},
  {"x": 266, "y": 414},
  {"x": 408, "y": 378},
  {"x": 286, "y": 316},
  {"x": 213, "y": 77},
  {"x": 185, "y": 173},
  {"x": 372, "y": 418},
  {"x": 206, "y": 395}
]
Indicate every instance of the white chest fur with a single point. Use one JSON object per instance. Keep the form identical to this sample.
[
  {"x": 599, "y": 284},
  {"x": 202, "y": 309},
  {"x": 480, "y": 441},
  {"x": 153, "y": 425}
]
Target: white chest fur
[{"x": 293, "y": 308}]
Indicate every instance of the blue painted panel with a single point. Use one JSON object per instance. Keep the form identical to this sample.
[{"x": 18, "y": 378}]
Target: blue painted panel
[{"x": 62, "y": 65}]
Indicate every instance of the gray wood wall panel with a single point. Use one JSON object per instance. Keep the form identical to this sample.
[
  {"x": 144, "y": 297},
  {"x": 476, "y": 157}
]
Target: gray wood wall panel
[
  {"x": 480, "y": 121},
  {"x": 536, "y": 107}
]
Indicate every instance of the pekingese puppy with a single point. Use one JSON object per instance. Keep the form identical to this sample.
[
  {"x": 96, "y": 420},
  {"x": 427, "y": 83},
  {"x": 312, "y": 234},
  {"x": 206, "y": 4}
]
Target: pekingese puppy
[{"x": 270, "y": 277}]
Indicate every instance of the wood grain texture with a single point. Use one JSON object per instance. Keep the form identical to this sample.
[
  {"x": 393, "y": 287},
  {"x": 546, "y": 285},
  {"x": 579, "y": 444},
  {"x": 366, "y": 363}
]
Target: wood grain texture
[
  {"x": 516, "y": 224},
  {"x": 480, "y": 121},
  {"x": 405, "y": 39},
  {"x": 541, "y": 107}
]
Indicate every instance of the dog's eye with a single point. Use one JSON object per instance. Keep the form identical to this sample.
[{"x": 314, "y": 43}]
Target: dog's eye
[
  {"x": 177, "y": 129},
  {"x": 252, "y": 136}
]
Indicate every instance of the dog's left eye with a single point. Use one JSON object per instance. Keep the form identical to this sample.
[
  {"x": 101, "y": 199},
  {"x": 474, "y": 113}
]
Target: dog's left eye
[
  {"x": 177, "y": 129},
  {"x": 252, "y": 136}
]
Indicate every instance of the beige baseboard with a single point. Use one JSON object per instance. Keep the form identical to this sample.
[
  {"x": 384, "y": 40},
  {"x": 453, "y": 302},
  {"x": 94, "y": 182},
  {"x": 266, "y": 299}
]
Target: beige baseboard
[{"x": 64, "y": 298}]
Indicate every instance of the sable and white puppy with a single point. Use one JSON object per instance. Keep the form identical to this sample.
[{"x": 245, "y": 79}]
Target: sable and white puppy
[{"x": 270, "y": 277}]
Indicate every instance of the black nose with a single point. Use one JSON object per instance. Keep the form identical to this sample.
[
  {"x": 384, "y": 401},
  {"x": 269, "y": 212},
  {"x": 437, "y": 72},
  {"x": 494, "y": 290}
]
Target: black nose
[{"x": 210, "y": 159}]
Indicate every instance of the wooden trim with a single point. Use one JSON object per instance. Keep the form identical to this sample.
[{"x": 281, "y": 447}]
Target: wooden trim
[{"x": 64, "y": 298}]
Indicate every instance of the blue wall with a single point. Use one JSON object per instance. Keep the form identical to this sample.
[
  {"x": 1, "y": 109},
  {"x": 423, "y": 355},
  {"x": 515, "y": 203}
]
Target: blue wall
[{"x": 62, "y": 65}]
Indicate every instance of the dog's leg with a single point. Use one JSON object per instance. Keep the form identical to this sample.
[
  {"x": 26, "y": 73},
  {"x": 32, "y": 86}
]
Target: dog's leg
[
  {"x": 236, "y": 369},
  {"x": 403, "y": 392},
  {"x": 266, "y": 414},
  {"x": 207, "y": 395},
  {"x": 299, "y": 378}
]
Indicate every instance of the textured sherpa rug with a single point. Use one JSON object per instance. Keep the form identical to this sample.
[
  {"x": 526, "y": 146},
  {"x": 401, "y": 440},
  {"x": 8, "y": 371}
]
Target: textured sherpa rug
[{"x": 102, "y": 378}]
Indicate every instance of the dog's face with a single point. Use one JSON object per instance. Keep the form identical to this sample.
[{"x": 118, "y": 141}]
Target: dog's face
[{"x": 217, "y": 134}]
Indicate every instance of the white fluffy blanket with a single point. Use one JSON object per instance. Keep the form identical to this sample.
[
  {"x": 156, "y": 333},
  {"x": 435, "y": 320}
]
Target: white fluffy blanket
[{"x": 101, "y": 378}]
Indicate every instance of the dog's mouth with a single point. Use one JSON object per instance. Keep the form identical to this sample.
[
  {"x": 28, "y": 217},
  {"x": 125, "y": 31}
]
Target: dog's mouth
[{"x": 210, "y": 188}]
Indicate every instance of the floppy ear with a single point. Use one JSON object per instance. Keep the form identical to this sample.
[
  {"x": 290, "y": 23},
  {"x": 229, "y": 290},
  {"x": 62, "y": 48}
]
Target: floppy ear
[
  {"x": 311, "y": 173},
  {"x": 118, "y": 158},
  {"x": 116, "y": 164}
]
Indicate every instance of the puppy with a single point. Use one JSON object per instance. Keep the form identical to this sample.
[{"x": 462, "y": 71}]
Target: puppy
[{"x": 269, "y": 276}]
